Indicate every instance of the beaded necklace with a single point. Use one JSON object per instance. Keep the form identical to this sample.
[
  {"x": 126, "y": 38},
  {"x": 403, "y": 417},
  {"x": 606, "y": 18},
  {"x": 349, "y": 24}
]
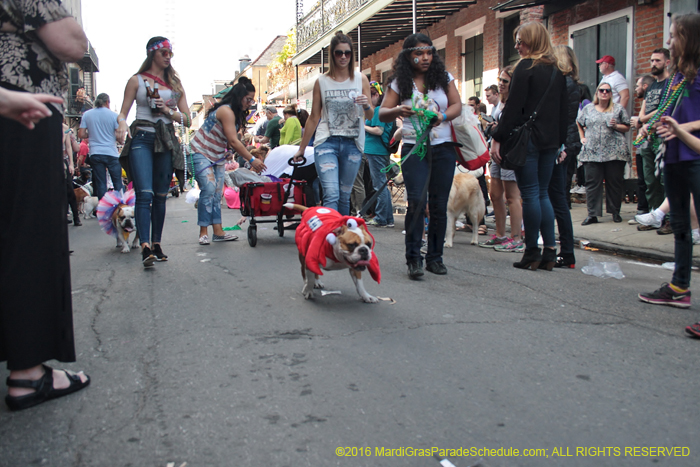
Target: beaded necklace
[
  {"x": 186, "y": 152},
  {"x": 669, "y": 98}
]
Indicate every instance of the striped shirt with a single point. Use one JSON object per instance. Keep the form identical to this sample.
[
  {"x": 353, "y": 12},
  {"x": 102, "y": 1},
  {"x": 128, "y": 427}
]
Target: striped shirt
[{"x": 210, "y": 140}]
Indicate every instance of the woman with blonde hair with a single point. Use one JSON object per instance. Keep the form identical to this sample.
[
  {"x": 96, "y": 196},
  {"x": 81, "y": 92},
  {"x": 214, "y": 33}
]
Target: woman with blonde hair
[
  {"x": 290, "y": 133},
  {"x": 602, "y": 125},
  {"x": 341, "y": 103},
  {"x": 537, "y": 81},
  {"x": 154, "y": 151}
]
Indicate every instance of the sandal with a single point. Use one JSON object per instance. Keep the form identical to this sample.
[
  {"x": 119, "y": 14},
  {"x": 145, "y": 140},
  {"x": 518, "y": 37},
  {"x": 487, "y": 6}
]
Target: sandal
[
  {"x": 483, "y": 230},
  {"x": 44, "y": 390}
]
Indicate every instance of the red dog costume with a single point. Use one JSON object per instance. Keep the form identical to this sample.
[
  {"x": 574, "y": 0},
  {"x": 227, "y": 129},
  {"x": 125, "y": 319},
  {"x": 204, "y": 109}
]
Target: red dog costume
[{"x": 312, "y": 238}]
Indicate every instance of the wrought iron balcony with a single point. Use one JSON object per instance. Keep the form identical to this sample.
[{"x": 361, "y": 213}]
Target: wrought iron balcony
[
  {"x": 90, "y": 62},
  {"x": 76, "y": 108},
  {"x": 323, "y": 18}
]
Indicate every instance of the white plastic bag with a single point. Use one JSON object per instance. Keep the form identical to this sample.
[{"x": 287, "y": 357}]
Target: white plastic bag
[
  {"x": 466, "y": 131},
  {"x": 603, "y": 269},
  {"x": 192, "y": 196}
]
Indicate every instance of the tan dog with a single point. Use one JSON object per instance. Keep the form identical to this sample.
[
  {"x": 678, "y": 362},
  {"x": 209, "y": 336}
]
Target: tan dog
[
  {"x": 125, "y": 224},
  {"x": 465, "y": 198},
  {"x": 329, "y": 241}
]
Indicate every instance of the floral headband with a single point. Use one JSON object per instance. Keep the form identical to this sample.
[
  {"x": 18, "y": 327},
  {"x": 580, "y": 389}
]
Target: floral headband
[
  {"x": 424, "y": 47},
  {"x": 164, "y": 44}
]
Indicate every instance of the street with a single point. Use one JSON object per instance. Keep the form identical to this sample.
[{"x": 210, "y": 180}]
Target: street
[{"x": 215, "y": 359}]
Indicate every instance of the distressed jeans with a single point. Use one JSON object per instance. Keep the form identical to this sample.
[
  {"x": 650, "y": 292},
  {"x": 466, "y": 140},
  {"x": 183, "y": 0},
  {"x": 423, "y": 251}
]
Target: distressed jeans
[
  {"x": 211, "y": 184},
  {"x": 337, "y": 161},
  {"x": 151, "y": 173}
]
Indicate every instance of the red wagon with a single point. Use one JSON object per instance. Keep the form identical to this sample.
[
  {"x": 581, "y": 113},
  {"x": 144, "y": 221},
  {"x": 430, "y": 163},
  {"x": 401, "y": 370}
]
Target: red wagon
[{"x": 266, "y": 200}]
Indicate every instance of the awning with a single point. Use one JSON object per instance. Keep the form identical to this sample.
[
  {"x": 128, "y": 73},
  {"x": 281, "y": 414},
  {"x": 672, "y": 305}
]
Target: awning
[
  {"x": 551, "y": 6},
  {"x": 382, "y": 23},
  {"x": 222, "y": 93}
]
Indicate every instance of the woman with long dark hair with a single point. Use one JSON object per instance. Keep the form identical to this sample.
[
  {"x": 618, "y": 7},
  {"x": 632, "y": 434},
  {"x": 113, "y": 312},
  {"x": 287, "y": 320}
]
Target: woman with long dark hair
[
  {"x": 337, "y": 121},
  {"x": 681, "y": 162},
  {"x": 531, "y": 79},
  {"x": 419, "y": 78},
  {"x": 210, "y": 145},
  {"x": 154, "y": 150}
]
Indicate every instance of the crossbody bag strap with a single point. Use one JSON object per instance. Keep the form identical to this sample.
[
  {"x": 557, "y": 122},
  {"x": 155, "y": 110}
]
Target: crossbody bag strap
[{"x": 549, "y": 88}]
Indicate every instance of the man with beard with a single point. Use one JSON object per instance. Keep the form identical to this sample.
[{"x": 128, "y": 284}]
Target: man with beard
[
  {"x": 660, "y": 59},
  {"x": 640, "y": 90}
]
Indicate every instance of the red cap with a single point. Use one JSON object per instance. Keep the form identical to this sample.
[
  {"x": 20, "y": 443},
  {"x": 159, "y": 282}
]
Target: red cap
[{"x": 607, "y": 59}]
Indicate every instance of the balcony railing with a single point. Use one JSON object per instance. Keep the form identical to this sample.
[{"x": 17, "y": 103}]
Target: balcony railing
[
  {"x": 76, "y": 108},
  {"x": 327, "y": 15}
]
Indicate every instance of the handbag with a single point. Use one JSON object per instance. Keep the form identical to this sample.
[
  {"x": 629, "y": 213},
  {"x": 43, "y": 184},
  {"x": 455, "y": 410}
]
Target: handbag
[
  {"x": 514, "y": 148},
  {"x": 473, "y": 152}
]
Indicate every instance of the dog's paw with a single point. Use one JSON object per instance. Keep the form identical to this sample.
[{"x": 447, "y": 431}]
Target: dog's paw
[
  {"x": 448, "y": 244},
  {"x": 370, "y": 299},
  {"x": 473, "y": 242},
  {"x": 319, "y": 285},
  {"x": 307, "y": 293},
  {"x": 126, "y": 249}
]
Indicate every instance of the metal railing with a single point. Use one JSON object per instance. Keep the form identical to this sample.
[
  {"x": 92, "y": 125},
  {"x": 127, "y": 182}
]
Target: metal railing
[
  {"x": 327, "y": 15},
  {"x": 76, "y": 108}
]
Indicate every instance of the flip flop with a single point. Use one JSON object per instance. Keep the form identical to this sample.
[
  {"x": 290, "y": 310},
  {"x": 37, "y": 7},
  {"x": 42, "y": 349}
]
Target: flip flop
[{"x": 43, "y": 389}]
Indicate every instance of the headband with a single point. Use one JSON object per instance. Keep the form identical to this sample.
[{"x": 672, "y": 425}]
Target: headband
[
  {"x": 424, "y": 47},
  {"x": 377, "y": 87},
  {"x": 164, "y": 44}
]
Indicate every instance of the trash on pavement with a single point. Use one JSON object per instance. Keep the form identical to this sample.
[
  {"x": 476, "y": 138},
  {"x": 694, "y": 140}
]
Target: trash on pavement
[
  {"x": 603, "y": 269},
  {"x": 330, "y": 292},
  {"x": 670, "y": 266},
  {"x": 235, "y": 227},
  {"x": 387, "y": 299},
  {"x": 584, "y": 243}
]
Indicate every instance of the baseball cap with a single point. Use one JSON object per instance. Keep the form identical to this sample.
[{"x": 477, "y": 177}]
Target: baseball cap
[{"x": 607, "y": 59}]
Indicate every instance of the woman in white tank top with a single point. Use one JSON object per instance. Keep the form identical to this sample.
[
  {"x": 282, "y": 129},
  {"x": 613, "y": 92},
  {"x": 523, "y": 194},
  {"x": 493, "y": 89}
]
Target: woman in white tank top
[
  {"x": 341, "y": 103},
  {"x": 154, "y": 149}
]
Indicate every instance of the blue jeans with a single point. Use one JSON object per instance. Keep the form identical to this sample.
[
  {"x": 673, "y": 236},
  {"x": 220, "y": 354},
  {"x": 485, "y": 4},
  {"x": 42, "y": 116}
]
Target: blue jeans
[
  {"x": 533, "y": 180},
  {"x": 337, "y": 163},
  {"x": 558, "y": 194},
  {"x": 415, "y": 175},
  {"x": 151, "y": 173},
  {"x": 211, "y": 184},
  {"x": 384, "y": 212},
  {"x": 680, "y": 181},
  {"x": 100, "y": 163}
]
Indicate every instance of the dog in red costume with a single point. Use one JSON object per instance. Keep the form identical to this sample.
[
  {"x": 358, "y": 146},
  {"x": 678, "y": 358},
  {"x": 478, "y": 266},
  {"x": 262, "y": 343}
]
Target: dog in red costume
[{"x": 326, "y": 240}]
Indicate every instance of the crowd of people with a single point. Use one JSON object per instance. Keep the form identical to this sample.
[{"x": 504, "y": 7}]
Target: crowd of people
[{"x": 351, "y": 124}]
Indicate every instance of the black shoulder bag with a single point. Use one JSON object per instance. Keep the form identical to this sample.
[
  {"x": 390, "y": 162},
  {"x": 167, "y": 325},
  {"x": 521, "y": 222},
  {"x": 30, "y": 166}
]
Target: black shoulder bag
[{"x": 514, "y": 148}]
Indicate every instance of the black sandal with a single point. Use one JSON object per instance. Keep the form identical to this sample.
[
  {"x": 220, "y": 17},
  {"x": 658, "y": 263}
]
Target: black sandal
[{"x": 43, "y": 387}]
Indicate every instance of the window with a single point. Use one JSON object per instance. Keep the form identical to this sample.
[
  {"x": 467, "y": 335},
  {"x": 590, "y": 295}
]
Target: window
[
  {"x": 608, "y": 38},
  {"x": 510, "y": 55},
  {"x": 441, "y": 53},
  {"x": 473, "y": 64}
]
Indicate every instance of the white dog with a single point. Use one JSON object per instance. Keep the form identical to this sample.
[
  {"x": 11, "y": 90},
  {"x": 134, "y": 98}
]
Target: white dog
[{"x": 125, "y": 224}]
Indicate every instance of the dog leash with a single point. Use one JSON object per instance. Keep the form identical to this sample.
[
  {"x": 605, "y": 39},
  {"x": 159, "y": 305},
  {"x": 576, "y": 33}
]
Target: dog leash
[{"x": 376, "y": 194}]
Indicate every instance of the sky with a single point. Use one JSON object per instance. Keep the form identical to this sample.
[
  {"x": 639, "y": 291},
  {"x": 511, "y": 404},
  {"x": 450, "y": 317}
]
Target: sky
[{"x": 208, "y": 36}]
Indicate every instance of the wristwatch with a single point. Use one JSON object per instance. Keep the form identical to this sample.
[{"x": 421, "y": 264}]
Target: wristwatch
[{"x": 171, "y": 112}]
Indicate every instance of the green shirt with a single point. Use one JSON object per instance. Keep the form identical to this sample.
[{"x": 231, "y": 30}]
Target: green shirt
[
  {"x": 291, "y": 131},
  {"x": 273, "y": 131}
]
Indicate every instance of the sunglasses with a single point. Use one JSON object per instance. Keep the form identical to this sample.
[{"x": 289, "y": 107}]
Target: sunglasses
[
  {"x": 166, "y": 53},
  {"x": 504, "y": 81},
  {"x": 604, "y": 91},
  {"x": 340, "y": 53},
  {"x": 519, "y": 42}
]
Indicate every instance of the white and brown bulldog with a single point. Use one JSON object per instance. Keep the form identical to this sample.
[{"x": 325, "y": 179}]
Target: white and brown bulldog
[
  {"x": 125, "y": 225},
  {"x": 326, "y": 240}
]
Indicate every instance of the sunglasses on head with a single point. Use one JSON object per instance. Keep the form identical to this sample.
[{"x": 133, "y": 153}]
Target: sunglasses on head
[{"x": 340, "y": 53}]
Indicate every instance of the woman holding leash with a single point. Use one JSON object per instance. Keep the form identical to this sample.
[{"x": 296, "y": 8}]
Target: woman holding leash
[
  {"x": 419, "y": 75},
  {"x": 210, "y": 145},
  {"x": 338, "y": 124},
  {"x": 535, "y": 75},
  {"x": 154, "y": 149}
]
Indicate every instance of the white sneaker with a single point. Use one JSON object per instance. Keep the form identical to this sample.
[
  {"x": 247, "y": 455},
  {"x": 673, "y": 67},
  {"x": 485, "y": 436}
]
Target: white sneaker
[
  {"x": 632, "y": 222},
  {"x": 581, "y": 190},
  {"x": 648, "y": 219}
]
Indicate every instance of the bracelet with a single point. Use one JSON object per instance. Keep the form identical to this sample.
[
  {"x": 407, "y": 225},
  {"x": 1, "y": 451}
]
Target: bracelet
[
  {"x": 444, "y": 116},
  {"x": 252, "y": 158},
  {"x": 366, "y": 107},
  {"x": 119, "y": 120}
]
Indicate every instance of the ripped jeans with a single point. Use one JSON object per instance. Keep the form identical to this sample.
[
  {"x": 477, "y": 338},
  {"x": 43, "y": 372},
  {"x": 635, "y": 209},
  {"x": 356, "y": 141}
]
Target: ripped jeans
[
  {"x": 211, "y": 184},
  {"x": 337, "y": 163},
  {"x": 151, "y": 173}
]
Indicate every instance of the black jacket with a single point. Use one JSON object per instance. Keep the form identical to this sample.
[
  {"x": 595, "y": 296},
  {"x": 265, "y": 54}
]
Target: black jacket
[
  {"x": 526, "y": 90},
  {"x": 573, "y": 140}
]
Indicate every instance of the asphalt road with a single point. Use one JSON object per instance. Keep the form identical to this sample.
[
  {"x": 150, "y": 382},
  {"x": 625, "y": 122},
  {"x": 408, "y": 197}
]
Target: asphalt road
[{"x": 215, "y": 359}]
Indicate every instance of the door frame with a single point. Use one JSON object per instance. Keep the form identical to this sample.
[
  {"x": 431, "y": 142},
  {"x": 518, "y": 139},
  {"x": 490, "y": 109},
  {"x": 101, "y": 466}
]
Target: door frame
[{"x": 629, "y": 66}]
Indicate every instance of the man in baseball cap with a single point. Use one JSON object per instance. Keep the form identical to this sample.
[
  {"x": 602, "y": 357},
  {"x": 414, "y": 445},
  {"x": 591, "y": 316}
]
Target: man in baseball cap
[{"x": 620, "y": 88}]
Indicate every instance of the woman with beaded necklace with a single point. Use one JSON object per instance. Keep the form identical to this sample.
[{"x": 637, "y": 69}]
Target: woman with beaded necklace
[
  {"x": 154, "y": 150},
  {"x": 681, "y": 168},
  {"x": 419, "y": 75}
]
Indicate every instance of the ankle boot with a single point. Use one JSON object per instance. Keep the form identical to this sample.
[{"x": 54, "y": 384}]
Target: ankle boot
[
  {"x": 566, "y": 261},
  {"x": 531, "y": 259},
  {"x": 549, "y": 258}
]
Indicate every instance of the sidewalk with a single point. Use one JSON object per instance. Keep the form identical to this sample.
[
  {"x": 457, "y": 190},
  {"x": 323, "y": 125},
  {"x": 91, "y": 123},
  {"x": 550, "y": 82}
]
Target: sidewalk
[{"x": 620, "y": 238}]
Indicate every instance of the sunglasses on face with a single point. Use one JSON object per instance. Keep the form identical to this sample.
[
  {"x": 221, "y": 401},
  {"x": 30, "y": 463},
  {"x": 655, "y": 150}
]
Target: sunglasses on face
[
  {"x": 166, "y": 53},
  {"x": 604, "y": 91},
  {"x": 504, "y": 81},
  {"x": 519, "y": 42},
  {"x": 340, "y": 53}
]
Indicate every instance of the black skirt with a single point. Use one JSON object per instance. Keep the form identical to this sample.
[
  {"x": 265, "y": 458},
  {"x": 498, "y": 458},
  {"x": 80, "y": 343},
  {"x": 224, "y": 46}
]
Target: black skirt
[{"x": 36, "y": 315}]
